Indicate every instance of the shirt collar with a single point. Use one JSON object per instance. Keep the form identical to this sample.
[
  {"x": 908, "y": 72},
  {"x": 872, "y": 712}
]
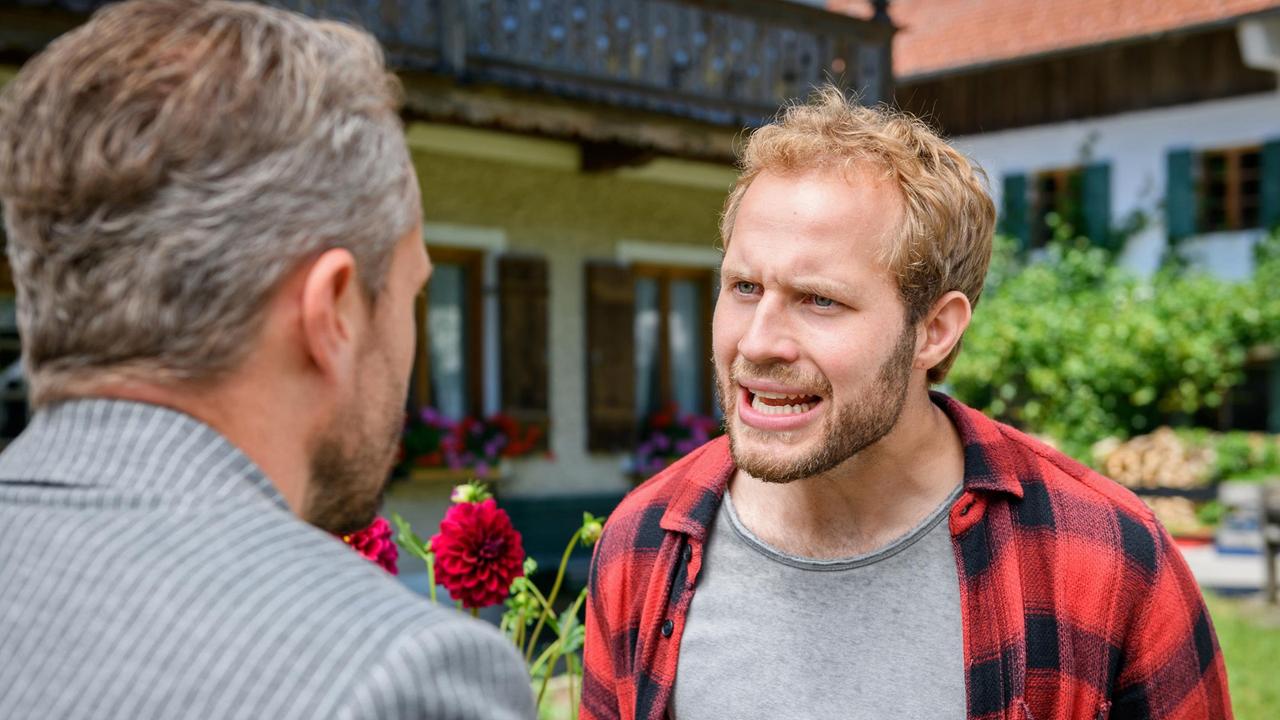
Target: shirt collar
[
  {"x": 131, "y": 447},
  {"x": 992, "y": 463}
]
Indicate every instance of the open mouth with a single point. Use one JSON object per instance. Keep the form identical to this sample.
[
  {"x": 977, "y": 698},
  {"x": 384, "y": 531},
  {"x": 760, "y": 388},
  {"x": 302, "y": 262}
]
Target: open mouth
[{"x": 773, "y": 403}]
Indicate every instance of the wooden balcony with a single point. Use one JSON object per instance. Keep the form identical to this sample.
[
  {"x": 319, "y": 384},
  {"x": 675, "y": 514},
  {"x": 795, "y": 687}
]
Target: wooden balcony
[
  {"x": 718, "y": 63},
  {"x": 728, "y": 62}
]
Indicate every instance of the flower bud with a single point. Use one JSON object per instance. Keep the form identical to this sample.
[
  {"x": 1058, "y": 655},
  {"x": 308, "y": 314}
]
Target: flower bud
[
  {"x": 472, "y": 492},
  {"x": 592, "y": 526}
]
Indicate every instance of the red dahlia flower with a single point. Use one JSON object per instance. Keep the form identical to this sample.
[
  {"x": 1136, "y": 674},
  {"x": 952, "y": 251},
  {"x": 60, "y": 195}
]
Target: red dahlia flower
[
  {"x": 478, "y": 553},
  {"x": 375, "y": 544}
]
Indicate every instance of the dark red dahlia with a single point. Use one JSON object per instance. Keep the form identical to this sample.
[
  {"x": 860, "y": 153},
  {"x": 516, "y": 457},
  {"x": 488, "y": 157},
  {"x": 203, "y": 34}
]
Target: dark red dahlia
[
  {"x": 478, "y": 553},
  {"x": 375, "y": 544}
]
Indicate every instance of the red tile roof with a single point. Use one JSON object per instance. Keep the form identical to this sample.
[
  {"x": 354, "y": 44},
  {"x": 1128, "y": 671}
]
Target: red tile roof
[{"x": 938, "y": 35}]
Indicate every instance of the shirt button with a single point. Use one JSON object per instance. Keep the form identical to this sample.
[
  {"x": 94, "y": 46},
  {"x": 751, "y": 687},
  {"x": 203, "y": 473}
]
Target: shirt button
[
  {"x": 688, "y": 553},
  {"x": 667, "y": 628}
]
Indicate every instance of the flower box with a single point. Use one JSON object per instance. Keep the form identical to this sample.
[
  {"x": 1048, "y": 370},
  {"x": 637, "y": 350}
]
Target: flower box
[{"x": 451, "y": 476}]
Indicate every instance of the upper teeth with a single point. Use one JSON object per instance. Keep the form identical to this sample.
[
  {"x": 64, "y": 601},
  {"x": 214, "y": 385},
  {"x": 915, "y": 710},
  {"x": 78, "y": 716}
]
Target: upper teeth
[
  {"x": 758, "y": 403},
  {"x": 779, "y": 396}
]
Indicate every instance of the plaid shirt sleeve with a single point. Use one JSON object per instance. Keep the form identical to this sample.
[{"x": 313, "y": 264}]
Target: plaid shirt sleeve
[
  {"x": 600, "y": 677},
  {"x": 1170, "y": 664}
]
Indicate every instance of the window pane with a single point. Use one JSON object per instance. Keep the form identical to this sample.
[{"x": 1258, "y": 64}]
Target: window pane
[
  {"x": 447, "y": 322},
  {"x": 646, "y": 343},
  {"x": 688, "y": 356}
]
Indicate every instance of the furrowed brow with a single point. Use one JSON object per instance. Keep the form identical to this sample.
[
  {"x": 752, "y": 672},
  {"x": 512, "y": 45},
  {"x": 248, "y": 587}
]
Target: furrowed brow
[{"x": 822, "y": 288}]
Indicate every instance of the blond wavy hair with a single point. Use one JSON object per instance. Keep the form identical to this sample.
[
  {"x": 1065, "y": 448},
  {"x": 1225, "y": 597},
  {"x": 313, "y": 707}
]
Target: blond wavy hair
[{"x": 949, "y": 218}]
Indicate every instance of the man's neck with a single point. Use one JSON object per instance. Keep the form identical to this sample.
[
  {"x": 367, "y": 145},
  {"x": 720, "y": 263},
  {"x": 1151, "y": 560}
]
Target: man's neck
[{"x": 867, "y": 501}]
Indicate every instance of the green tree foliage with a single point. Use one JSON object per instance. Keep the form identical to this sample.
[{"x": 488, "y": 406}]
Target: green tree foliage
[{"x": 1076, "y": 348}]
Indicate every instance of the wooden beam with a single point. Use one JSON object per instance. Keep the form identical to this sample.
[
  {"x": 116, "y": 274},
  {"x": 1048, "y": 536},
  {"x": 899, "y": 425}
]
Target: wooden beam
[
  {"x": 504, "y": 147},
  {"x": 435, "y": 99}
]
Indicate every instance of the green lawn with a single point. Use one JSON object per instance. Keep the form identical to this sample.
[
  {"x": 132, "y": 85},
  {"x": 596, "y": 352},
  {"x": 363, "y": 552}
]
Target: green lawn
[{"x": 1249, "y": 632}]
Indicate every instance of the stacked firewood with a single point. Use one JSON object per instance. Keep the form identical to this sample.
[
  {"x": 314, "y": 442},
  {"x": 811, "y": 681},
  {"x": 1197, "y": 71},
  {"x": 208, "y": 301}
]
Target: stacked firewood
[
  {"x": 1160, "y": 459},
  {"x": 1177, "y": 514}
]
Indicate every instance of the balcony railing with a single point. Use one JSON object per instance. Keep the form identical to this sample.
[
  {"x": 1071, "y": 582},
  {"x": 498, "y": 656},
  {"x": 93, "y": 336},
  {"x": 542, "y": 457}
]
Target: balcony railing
[{"x": 720, "y": 61}]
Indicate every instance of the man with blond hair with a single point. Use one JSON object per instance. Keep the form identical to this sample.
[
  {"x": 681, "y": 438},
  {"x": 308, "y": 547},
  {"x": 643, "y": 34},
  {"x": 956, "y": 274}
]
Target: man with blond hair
[
  {"x": 215, "y": 233},
  {"x": 858, "y": 546}
]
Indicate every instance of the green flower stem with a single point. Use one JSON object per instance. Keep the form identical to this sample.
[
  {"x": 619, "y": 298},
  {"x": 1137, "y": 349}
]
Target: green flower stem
[
  {"x": 475, "y": 612},
  {"x": 551, "y": 650},
  {"x": 555, "y": 590},
  {"x": 542, "y": 601},
  {"x": 517, "y": 632},
  {"x": 572, "y": 663},
  {"x": 559, "y": 646},
  {"x": 546, "y": 678},
  {"x": 431, "y": 575}
]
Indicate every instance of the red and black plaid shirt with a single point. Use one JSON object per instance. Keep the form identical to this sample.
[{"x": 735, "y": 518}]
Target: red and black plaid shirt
[{"x": 1075, "y": 602}]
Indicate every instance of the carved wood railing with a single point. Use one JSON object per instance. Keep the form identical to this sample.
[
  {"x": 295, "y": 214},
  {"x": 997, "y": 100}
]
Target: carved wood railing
[{"x": 721, "y": 61}]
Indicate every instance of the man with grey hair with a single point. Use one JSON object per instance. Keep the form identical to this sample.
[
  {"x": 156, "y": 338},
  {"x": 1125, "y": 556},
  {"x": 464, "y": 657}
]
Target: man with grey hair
[{"x": 215, "y": 233}]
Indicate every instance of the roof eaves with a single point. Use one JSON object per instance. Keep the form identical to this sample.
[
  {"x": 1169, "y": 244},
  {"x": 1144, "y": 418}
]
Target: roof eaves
[{"x": 952, "y": 71}]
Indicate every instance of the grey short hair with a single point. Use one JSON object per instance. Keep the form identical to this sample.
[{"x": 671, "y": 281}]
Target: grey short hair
[{"x": 163, "y": 167}]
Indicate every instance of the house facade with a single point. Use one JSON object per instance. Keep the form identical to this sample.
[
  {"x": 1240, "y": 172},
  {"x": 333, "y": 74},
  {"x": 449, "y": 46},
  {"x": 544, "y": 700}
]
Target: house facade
[{"x": 1149, "y": 127}]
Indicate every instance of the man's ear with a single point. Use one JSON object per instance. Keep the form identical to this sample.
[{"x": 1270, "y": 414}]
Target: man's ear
[
  {"x": 942, "y": 329},
  {"x": 333, "y": 313}
]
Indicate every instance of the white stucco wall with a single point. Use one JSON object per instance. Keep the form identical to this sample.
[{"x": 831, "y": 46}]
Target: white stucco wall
[
  {"x": 1136, "y": 145},
  {"x": 531, "y": 199}
]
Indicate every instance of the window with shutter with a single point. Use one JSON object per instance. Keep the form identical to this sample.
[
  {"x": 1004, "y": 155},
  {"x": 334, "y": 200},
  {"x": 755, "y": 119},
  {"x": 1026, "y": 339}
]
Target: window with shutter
[
  {"x": 1229, "y": 189},
  {"x": 1180, "y": 195},
  {"x": 1096, "y": 204},
  {"x": 610, "y": 312},
  {"x": 673, "y": 339},
  {"x": 1013, "y": 216},
  {"x": 449, "y": 371},
  {"x": 1269, "y": 202},
  {"x": 1060, "y": 192},
  {"x": 523, "y": 306}
]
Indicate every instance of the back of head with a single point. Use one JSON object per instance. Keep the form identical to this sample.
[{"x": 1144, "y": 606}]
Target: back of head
[
  {"x": 945, "y": 240},
  {"x": 165, "y": 165}
]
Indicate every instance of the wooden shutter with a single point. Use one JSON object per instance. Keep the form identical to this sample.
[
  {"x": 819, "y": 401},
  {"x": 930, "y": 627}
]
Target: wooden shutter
[
  {"x": 523, "y": 297},
  {"x": 1014, "y": 210},
  {"x": 1180, "y": 195},
  {"x": 1096, "y": 201},
  {"x": 610, "y": 357},
  {"x": 1269, "y": 200}
]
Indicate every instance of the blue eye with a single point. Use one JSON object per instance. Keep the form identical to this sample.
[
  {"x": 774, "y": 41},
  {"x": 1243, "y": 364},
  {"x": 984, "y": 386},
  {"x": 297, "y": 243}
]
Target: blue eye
[
  {"x": 823, "y": 302},
  {"x": 746, "y": 288}
]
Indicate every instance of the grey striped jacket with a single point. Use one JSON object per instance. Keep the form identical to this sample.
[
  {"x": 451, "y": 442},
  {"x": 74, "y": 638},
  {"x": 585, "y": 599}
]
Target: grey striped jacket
[{"x": 148, "y": 569}]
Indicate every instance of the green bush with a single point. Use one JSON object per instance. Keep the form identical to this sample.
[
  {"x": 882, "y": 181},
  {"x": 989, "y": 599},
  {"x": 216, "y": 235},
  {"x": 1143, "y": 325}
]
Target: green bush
[{"x": 1074, "y": 347}]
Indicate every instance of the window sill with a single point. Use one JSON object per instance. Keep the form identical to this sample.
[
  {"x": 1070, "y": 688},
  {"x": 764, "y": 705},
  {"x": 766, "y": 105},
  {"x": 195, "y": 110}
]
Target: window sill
[{"x": 450, "y": 476}]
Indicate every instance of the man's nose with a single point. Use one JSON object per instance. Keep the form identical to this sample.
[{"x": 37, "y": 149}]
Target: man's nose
[{"x": 769, "y": 337}]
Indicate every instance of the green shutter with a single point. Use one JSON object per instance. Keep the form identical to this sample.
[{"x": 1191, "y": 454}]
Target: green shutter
[
  {"x": 1180, "y": 196},
  {"x": 1269, "y": 210},
  {"x": 1096, "y": 199},
  {"x": 1014, "y": 210},
  {"x": 1273, "y": 409}
]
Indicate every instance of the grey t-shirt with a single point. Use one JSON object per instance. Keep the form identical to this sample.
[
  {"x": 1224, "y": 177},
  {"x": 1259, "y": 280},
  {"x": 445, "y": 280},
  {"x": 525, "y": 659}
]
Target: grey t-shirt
[{"x": 771, "y": 635}]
